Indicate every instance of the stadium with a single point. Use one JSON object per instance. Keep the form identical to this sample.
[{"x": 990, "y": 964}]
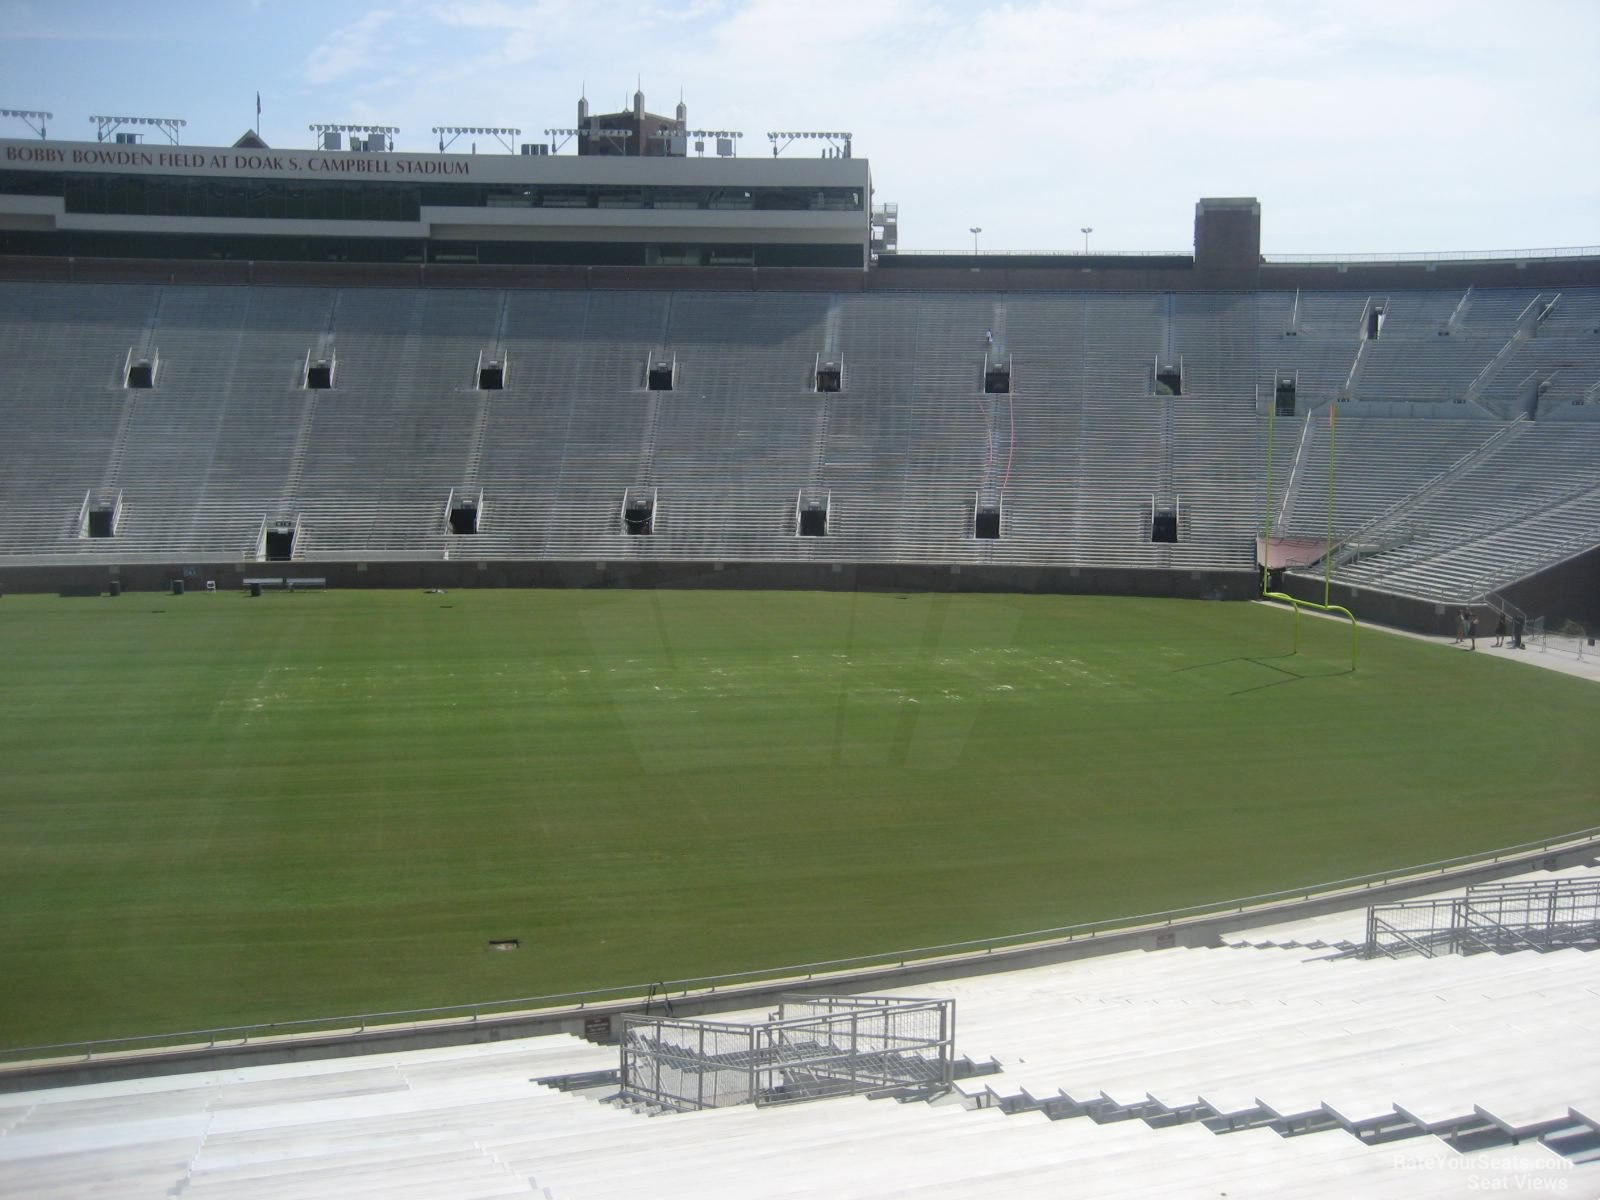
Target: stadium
[{"x": 584, "y": 668}]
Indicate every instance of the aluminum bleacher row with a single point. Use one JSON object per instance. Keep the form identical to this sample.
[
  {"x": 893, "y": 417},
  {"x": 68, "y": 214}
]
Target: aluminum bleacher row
[
  {"x": 1467, "y": 443},
  {"x": 229, "y": 437},
  {"x": 1530, "y": 500},
  {"x": 1078, "y": 452},
  {"x": 1259, "y": 1068}
]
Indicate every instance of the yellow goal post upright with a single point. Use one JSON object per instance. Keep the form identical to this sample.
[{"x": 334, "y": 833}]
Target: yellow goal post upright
[
  {"x": 1355, "y": 626},
  {"x": 1266, "y": 540}
]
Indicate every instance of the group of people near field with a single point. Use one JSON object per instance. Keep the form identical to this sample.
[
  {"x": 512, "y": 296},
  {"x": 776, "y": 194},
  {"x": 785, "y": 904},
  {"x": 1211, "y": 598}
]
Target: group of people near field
[{"x": 1467, "y": 629}]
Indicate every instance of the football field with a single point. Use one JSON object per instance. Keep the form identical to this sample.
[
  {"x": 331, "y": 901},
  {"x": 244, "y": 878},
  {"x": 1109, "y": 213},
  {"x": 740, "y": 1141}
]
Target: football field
[{"x": 219, "y": 809}]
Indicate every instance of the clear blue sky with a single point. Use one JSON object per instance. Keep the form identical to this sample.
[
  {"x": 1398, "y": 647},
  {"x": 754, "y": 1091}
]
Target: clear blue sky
[{"x": 1362, "y": 125}]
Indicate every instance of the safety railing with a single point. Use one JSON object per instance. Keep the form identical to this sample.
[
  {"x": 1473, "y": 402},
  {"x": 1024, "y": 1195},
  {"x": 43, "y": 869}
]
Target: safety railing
[
  {"x": 1074, "y": 252},
  {"x": 1491, "y": 918},
  {"x": 1417, "y": 256},
  {"x": 1426, "y": 256}
]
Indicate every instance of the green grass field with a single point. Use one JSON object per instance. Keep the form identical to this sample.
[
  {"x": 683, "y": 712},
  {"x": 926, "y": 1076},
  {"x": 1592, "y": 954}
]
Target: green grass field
[{"x": 220, "y": 810}]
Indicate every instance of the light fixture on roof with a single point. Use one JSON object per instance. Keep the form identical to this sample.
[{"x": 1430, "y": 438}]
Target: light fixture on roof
[
  {"x": 322, "y": 128},
  {"x": 105, "y": 126},
  {"x": 699, "y": 133},
  {"x": 499, "y": 134},
  {"x": 839, "y": 140},
  {"x": 385, "y": 134},
  {"x": 566, "y": 135},
  {"x": 28, "y": 116},
  {"x": 726, "y": 139}
]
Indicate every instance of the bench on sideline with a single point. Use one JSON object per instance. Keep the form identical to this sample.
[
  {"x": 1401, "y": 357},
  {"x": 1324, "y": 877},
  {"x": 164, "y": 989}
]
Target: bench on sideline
[{"x": 309, "y": 583}]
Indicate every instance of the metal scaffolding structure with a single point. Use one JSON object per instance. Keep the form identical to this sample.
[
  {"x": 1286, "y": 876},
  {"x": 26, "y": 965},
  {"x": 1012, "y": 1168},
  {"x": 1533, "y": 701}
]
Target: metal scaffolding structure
[
  {"x": 815, "y": 1046},
  {"x": 1495, "y": 918}
]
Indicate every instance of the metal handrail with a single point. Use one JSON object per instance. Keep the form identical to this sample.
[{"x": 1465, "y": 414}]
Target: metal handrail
[
  {"x": 1539, "y": 888},
  {"x": 471, "y": 1012},
  {"x": 1437, "y": 255},
  {"x": 1287, "y": 259},
  {"x": 1472, "y": 922},
  {"x": 1379, "y": 925},
  {"x": 1491, "y": 916},
  {"x": 1072, "y": 253}
]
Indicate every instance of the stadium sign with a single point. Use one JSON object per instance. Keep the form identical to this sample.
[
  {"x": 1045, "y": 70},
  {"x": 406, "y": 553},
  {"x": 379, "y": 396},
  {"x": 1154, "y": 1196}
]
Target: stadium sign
[
  {"x": 377, "y": 167},
  {"x": 119, "y": 157}
]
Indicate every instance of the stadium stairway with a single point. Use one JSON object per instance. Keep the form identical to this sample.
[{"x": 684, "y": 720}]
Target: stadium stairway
[{"x": 1485, "y": 1051}]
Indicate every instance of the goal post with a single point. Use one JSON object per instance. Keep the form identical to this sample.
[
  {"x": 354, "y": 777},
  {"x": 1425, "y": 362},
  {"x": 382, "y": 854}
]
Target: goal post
[{"x": 1331, "y": 609}]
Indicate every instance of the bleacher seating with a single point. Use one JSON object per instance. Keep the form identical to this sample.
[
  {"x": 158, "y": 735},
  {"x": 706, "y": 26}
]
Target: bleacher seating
[
  {"x": 1078, "y": 452},
  {"x": 1380, "y": 461},
  {"x": 1523, "y": 500},
  {"x": 1413, "y": 361}
]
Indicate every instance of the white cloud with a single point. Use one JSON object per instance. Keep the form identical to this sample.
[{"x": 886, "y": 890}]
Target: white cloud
[
  {"x": 1037, "y": 116},
  {"x": 348, "y": 50}
]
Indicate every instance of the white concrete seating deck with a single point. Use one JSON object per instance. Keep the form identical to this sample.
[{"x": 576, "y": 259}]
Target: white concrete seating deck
[
  {"x": 467, "y": 1122},
  {"x": 843, "y": 1149},
  {"x": 386, "y": 1125},
  {"x": 1500, "y": 1041},
  {"x": 1511, "y": 1036}
]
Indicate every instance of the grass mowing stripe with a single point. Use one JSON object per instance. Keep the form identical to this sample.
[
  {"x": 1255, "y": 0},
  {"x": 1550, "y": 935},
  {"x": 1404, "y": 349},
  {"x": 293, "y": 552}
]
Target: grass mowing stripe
[{"x": 220, "y": 809}]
